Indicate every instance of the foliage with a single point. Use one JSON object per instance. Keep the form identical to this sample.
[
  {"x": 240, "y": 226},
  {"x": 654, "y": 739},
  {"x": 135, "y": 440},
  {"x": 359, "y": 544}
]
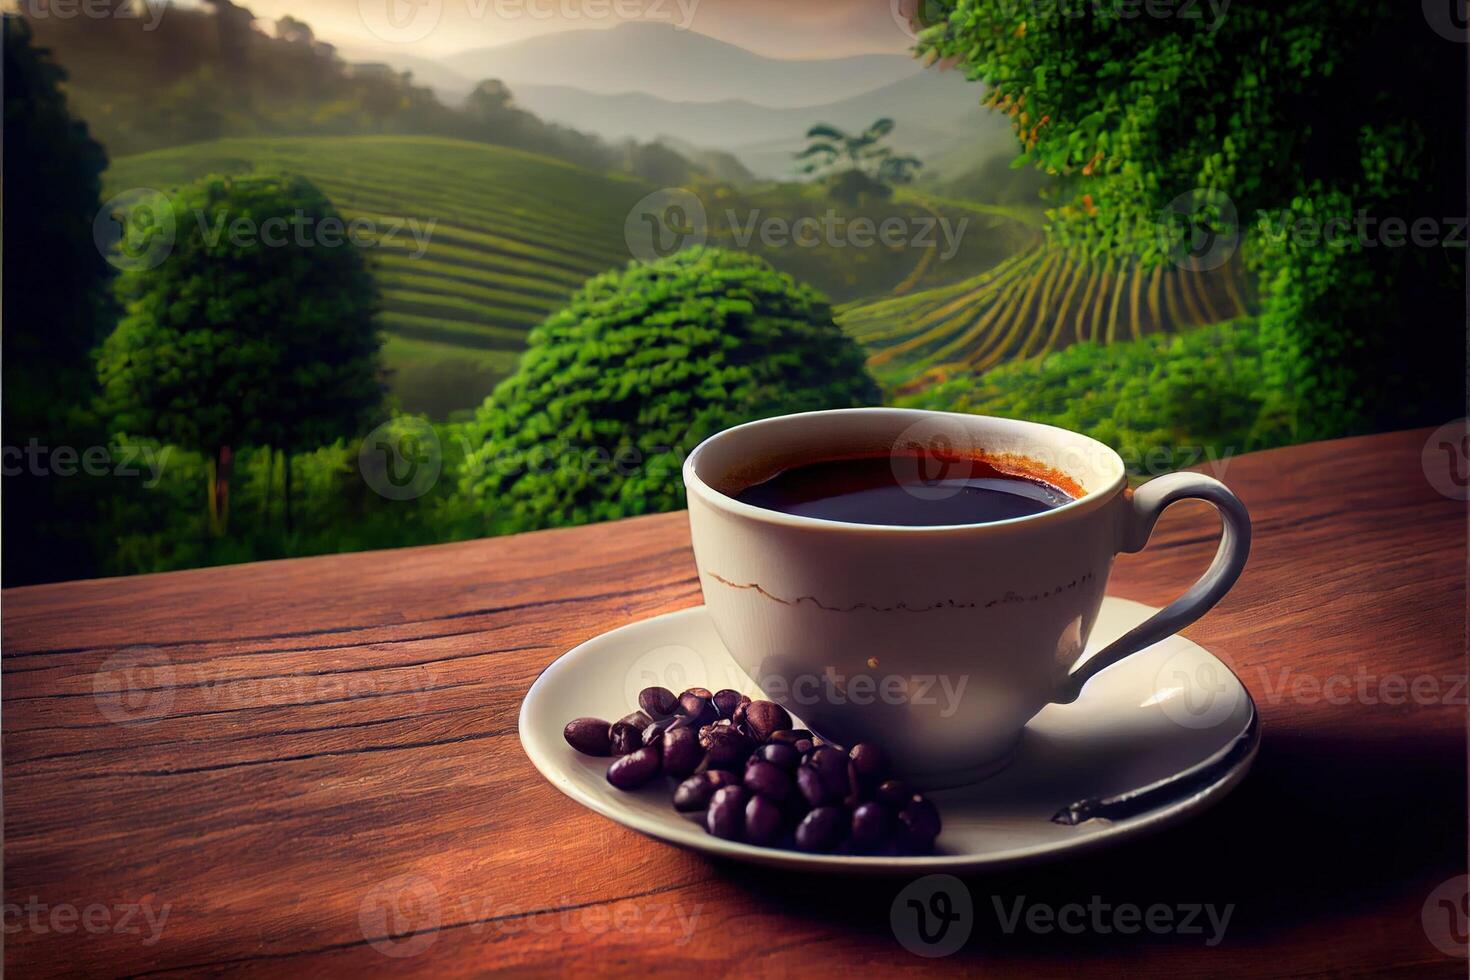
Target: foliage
[
  {"x": 168, "y": 75},
  {"x": 641, "y": 365},
  {"x": 858, "y": 163},
  {"x": 55, "y": 308},
  {"x": 1163, "y": 402},
  {"x": 245, "y": 335},
  {"x": 1302, "y": 111}
]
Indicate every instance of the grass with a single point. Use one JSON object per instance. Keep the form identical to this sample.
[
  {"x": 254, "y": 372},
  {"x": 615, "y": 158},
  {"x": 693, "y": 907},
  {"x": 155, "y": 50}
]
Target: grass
[{"x": 504, "y": 236}]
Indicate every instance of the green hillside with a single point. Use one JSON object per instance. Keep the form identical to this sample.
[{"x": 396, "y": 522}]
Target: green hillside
[
  {"x": 513, "y": 234},
  {"x": 1041, "y": 300}
]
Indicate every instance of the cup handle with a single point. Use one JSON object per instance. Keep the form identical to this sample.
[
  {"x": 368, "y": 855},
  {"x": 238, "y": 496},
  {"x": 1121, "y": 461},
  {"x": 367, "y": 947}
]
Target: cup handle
[{"x": 1147, "y": 504}]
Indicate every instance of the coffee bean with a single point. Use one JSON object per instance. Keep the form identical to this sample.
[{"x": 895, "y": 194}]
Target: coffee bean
[
  {"x": 727, "y": 748},
  {"x": 762, "y": 821},
  {"x": 831, "y": 764},
  {"x": 590, "y": 736},
  {"x": 699, "y": 692},
  {"x": 634, "y": 769},
  {"x": 893, "y": 793},
  {"x": 726, "y": 814},
  {"x": 803, "y": 745},
  {"x": 767, "y": 780},
  {"x": 780, "y": 755},
  {"x": 727, "y": 701},
  {"x": 637, "y": 719},
  {"x": 658, "y": 702},
  {"x": 813, "y": 788},
  {"x": 681, "y": 752},
  {"x": 919, "y": 823},
  {"x": 821, "y": 829},
  {"x": 868, "y": 760},
  {"x": 694, "y": 793},
  {"x": 625, "y": 738},
  {"x": 765, "y": 717},
  {"x": 655, "y": 731},
  {"x": 789, "y": 736},
  {"x": 869, "y": 825},
  {"x": 698, "y": 710}
]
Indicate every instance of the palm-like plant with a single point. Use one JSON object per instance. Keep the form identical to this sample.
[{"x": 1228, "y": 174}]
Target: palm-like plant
[{"x": 831, "y": 149}]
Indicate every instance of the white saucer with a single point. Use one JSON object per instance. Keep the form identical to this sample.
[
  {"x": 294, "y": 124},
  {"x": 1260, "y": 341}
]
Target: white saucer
[{"x": 1152, "y": 740}]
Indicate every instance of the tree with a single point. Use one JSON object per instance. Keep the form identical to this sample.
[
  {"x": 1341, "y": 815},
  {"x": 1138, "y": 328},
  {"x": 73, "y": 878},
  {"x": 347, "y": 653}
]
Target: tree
[
  {"x": 1284, "y": 123},
  {"x": 255, "y": 329},
  {"x": 641, "y": 365},
  {"x": 857, "y": 163},
  {"x": 55, "y": 307}
]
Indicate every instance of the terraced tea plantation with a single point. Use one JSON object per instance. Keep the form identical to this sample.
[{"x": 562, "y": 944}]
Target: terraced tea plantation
[
  {"x": 474, "y": 244},
  {"x": 1038, "y": 301}
]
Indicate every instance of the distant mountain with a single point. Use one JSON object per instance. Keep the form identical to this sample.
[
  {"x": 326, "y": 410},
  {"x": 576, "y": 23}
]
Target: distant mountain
[
  {"x": 679, "y": 65},
  {"x": 448, "y": 84},
  {"x": 934, "y": 111}
]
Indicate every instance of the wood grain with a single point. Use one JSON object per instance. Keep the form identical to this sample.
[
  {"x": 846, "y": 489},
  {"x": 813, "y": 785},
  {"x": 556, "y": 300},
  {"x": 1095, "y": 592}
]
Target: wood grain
[{"x": 306, "y": 743}]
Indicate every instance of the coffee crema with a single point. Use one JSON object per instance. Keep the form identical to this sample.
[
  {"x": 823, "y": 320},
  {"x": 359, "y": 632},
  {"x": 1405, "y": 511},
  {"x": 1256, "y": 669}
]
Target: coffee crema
[{"x": 918, "y": 490}]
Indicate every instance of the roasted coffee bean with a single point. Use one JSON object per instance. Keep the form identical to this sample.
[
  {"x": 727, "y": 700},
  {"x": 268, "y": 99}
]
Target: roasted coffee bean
[
  {"x": 637, "y": 719},
  {"x": 804, "y": 745},
  {"x": 870, "y": 825},
  {"x": 699, "y": 692},
  {"x": 919, "y": 823},
  {"x": 727, "y": 749},
  {"x": 768, "y": 780},
  {"x": 868, "y": 761},
  {"x": 813, "y": 788},
  {"x": 789, "y": 736},
  {"x": 821, "y": 830},
  {"x": 657, "y": 702},
  {"x": 781, "y": 755},
  {"x": 762, "y": 821},
  {"x": 698, "y": 710},
  {"x": 655, "y": 731},
  {"x": 694, "y": 793},
  {"x": 893, "y": 793},
  {"x": 858, "y": 789},
  {"x": 625, "y": 738},
  {"x": 634, "y": 769},
  {"x": 590, "y": 736},
  {"x": 765, "y": 717},
  {"x": 831, "y": 764},
  {"x": 681, "y": 752},
  {"x": 727, "y": 701},
  {"x": 726, "y": 814}
]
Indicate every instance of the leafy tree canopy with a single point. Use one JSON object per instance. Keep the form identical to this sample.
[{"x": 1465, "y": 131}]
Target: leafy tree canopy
[
  {"x": 253, "y": 326},
  {"x": 1262, "y": 116},
  {"x": 643, "y": 364}
]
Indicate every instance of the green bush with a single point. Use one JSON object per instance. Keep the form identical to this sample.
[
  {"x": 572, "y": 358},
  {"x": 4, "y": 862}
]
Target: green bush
[
  {"x": 1163, "y": 402},
  {"x": 639, "y": 367}
]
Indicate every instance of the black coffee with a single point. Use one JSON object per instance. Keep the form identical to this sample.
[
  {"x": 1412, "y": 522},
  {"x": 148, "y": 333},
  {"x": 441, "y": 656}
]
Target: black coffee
[{"x": 909, "y": 491}]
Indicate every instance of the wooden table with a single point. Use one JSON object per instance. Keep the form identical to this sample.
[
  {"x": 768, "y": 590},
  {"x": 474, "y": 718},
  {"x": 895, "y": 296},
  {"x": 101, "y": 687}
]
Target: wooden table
[{"x": 312, "y": 765}]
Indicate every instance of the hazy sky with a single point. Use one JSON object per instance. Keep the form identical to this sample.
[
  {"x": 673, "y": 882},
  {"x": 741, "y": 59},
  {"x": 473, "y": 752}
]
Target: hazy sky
[{"x": 779, "y": 28}]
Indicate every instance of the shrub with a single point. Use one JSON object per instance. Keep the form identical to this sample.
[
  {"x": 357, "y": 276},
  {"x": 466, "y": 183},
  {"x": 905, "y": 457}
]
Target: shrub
[{"x": 641, "y": 365}]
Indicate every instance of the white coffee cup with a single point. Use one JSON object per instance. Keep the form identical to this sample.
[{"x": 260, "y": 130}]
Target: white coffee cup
[{"x": 937, "y": 642}]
